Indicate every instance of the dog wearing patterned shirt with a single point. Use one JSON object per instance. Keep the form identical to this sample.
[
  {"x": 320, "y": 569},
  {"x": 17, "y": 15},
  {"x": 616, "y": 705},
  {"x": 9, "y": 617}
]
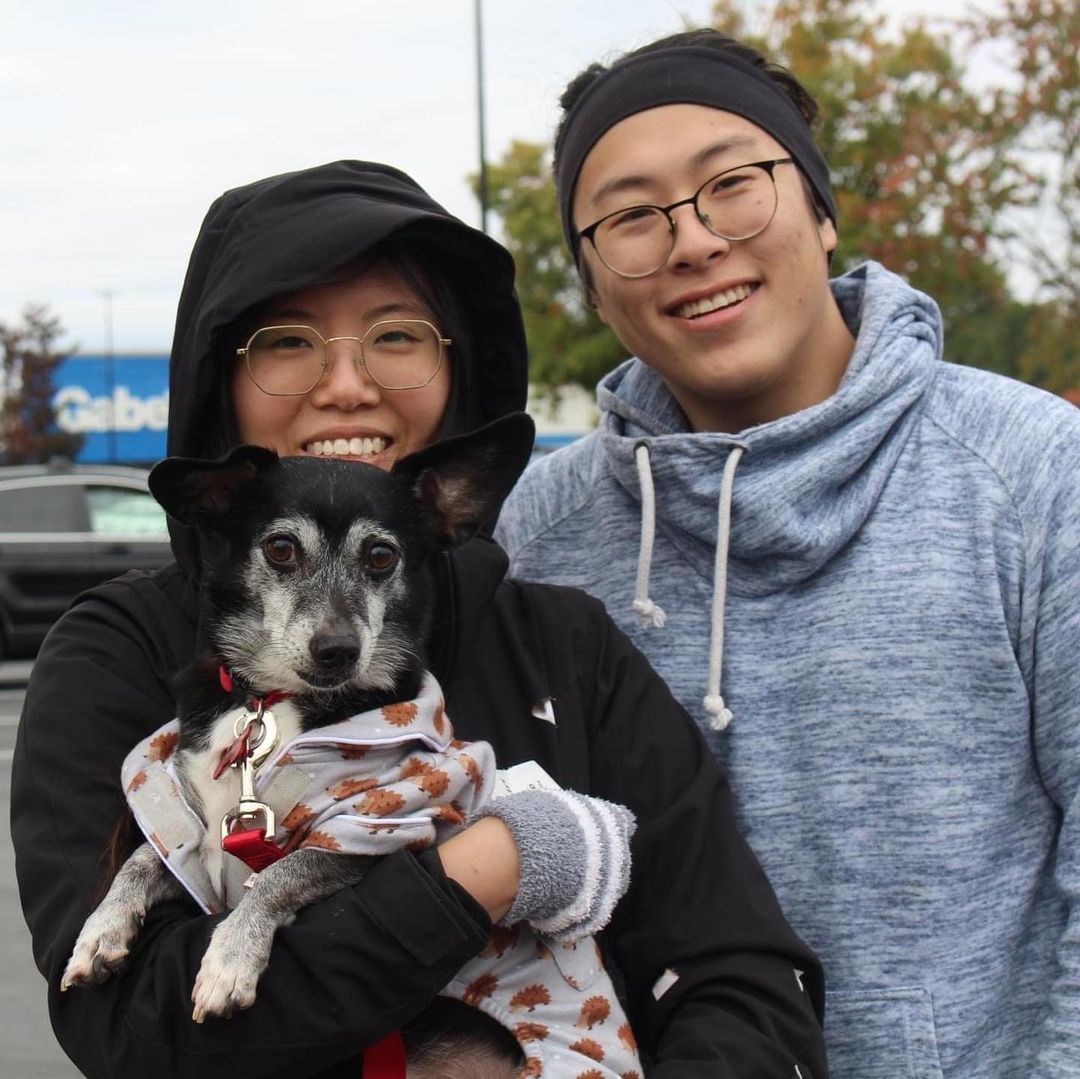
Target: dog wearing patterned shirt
[
  {"x": 316, "y": 596},
  {"x": 315, "y": 600}
]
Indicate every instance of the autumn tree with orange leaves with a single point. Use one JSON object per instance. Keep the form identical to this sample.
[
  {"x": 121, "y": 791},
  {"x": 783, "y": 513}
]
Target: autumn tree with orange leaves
[
  {"x": 1040, "y": 41},
  {"x": 28, "y": 358},
  {"x": 924, "y": 168},
  {"x": 935, "y": 176}
]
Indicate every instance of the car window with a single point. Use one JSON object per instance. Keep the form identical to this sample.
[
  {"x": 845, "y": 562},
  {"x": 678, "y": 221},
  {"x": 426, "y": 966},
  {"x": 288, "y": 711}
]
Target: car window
[
  {"x": 50, "y": 508},
  {"x": 119, "y": 511}
]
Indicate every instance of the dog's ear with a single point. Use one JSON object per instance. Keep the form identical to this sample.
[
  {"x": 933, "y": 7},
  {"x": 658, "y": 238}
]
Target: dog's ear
[
  {"x": 196, "y": 492},
  {"x": 461, "y": 482}
]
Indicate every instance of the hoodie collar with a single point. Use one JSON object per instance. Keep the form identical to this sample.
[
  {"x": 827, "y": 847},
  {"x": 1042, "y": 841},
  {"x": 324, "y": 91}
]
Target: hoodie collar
[{"x": 807, "y": 482}]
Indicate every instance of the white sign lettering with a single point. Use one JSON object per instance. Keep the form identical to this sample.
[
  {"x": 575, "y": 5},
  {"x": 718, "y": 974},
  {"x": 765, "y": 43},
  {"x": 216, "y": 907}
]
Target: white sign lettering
[{"x": 78, "y": 413}]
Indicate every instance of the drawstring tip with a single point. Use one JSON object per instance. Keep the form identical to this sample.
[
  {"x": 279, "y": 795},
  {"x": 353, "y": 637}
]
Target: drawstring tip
[
  {"x": 650, "y": 615},
  {"x": 720, "y": 716}
]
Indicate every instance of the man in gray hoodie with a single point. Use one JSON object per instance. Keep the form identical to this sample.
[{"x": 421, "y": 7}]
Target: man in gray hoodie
[{"x": 857, "y": 564}]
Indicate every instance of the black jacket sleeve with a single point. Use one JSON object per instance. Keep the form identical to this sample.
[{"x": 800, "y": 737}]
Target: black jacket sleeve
[
  {"x": 717, "y": 982},
  {"x": 347, "y": 971}
]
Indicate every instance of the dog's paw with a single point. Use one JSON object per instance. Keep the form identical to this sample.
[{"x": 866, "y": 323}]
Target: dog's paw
[
  {"x": 101, "y": 948},
  {"x": 227, "y": 978}
]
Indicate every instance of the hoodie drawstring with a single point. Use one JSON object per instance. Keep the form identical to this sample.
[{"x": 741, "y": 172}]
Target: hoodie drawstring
[
  {"x": 719, "y": 714},
  {"x": 650, "y": 614}
]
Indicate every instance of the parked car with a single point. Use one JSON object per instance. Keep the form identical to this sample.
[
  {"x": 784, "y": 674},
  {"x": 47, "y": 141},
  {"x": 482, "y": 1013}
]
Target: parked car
[{"x": 63, "y": 529}]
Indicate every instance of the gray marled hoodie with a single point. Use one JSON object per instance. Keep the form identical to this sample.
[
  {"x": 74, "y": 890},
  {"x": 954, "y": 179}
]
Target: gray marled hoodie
[{"x": 901, "y": 654}]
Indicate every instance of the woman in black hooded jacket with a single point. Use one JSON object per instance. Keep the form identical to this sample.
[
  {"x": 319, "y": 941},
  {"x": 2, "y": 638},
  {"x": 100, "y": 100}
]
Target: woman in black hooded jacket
[{"x": 716, "y": 983}]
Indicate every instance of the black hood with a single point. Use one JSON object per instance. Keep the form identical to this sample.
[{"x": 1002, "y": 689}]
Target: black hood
[{"x": 298, "y": 229}]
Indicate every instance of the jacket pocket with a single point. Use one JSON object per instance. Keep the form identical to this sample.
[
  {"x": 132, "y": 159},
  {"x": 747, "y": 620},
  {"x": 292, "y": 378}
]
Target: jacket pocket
[{"x": 881, "y": 1034}]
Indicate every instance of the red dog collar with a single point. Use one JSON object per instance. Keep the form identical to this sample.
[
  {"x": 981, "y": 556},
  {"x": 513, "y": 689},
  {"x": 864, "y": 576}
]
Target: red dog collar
[
  {"x": 225, "y": 679},
  {"x": 385, "y": 1059}
]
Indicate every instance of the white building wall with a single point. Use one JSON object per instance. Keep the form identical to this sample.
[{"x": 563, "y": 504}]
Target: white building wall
[{"x": 573, "y": 413}]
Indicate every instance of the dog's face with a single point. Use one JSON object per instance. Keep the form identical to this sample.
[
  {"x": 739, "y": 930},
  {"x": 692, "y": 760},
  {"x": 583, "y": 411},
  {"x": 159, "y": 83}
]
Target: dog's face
[
  {"x": 317, "y": 573},
  {"x": 323, "y": 583}
]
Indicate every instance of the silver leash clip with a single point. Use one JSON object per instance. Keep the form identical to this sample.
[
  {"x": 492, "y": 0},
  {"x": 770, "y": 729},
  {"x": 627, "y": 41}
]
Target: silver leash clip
[{"x": 262, "y": 736}]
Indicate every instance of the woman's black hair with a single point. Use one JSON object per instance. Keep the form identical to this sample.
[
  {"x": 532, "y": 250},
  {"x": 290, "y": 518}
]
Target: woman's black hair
[{"x": 412, "y": 262}]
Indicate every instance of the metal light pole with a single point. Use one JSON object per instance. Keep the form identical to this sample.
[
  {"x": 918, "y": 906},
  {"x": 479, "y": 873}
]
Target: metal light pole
[
  {"x": 483, "y": 185},
  {"x": 107, "y": 295}
]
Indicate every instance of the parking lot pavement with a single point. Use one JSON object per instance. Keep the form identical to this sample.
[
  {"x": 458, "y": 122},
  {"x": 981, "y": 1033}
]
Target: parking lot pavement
[{"x": 28, "y": 1049}]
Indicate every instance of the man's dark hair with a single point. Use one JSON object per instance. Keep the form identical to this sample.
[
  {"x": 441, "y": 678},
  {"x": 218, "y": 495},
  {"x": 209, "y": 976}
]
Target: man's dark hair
[{"x": 712, "y": 39}]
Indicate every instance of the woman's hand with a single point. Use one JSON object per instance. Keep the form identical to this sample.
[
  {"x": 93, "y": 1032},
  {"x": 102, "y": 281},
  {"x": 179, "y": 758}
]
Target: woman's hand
[
  {"x": 484, "y": 860},
  {"x": 558, "y": 860}
]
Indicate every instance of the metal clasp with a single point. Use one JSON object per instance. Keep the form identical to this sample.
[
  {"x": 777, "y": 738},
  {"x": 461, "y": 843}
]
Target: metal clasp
[
  {"x": 260, "y": 744},
  {"x": 262, "y": 739}
]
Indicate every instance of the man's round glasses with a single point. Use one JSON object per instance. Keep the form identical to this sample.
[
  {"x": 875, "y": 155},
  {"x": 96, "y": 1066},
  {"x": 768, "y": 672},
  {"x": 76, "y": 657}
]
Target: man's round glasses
[
  {"x": 290, "y": 361},
  {"x": 737, "y": 204}
]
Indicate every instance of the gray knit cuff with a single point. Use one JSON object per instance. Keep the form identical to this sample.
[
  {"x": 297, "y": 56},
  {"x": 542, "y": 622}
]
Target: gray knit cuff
[{"x": 575, "y": 859}]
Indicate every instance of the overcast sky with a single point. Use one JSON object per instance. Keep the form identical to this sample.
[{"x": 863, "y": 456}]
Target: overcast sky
[{"x": 121, "y": 121}]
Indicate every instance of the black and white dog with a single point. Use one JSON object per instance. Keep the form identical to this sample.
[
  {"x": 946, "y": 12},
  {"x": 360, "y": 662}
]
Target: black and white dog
[{"x": 317, "y": 589}]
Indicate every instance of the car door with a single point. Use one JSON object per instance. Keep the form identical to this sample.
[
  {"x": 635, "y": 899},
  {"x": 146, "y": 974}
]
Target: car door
[{"x": 44, "y": 558}]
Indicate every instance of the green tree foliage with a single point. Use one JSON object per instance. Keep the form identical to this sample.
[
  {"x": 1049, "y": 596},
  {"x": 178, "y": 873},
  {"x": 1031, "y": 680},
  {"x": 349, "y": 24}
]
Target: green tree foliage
[
  {"x": 28, "y": 358},
  {"x": 1050, "y": 349},
  {"x": 568, "y": 344},
  {"x": 928, "y": 169}
]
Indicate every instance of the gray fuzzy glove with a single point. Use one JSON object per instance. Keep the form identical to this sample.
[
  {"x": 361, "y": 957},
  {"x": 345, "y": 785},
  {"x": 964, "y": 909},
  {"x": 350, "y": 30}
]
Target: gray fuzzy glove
[{"x": 575, "y": 859}]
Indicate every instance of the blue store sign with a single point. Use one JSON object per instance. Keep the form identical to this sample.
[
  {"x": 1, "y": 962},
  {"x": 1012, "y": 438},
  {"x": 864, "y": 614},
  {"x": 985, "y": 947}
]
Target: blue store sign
[{"x": 120, "y": 404}]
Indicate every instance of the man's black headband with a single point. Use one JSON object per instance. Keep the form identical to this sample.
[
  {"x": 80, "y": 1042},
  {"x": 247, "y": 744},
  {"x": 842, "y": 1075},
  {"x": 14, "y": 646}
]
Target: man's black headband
[{"x": 681, "y": 75}]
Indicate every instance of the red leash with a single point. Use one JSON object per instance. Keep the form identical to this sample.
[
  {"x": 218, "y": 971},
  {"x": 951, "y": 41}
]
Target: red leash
[
  {"x": 386, "y": 1058},
  {"x": 252, "y": 848}
]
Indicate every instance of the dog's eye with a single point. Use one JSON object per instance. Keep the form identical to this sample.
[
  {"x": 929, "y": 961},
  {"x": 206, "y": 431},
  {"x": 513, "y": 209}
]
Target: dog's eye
[
  {"x": 380, "y": 557},
  {"x": 281, "y": 550}
]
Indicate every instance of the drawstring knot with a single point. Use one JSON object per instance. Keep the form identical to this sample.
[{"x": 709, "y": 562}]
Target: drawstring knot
[
  {"x": 650, "y": 615},
  {"x": 719, "y": 714}
]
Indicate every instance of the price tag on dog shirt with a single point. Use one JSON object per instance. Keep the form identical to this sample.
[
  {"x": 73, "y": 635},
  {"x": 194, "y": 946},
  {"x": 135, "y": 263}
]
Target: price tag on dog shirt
[{"x": 527, "y": 776}]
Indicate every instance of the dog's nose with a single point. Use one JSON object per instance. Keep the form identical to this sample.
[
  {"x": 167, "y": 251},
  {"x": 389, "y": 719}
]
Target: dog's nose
[{"x": 334, "y": 651}]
